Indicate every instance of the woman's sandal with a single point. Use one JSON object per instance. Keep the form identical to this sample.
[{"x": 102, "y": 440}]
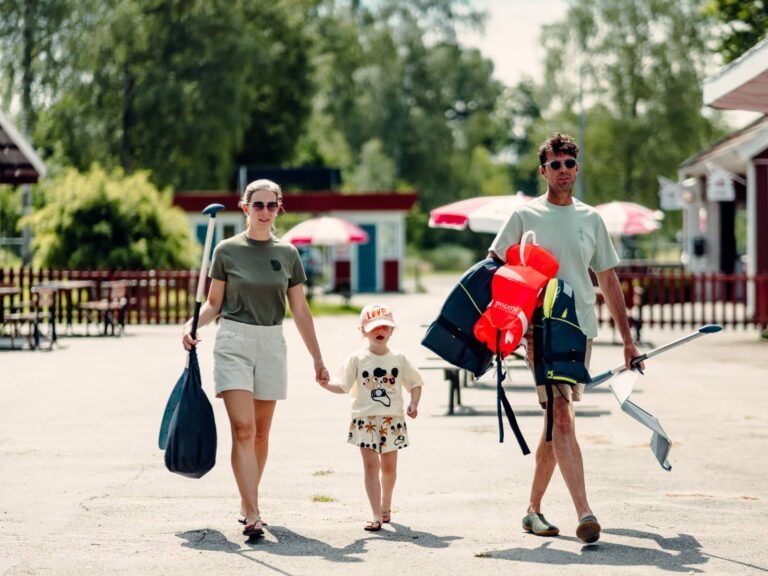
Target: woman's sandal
[
  {"x": 386, "y": 516},
  {"x": 243, "y": 521},
  {"x": 372, "y": 526},
  {"x": 254, "y": 529}
]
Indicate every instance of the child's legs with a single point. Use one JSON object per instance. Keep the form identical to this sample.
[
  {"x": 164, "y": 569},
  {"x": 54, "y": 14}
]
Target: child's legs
[
  {"x": 388, "y": 478},
  {"x": 372, "y": 484}
]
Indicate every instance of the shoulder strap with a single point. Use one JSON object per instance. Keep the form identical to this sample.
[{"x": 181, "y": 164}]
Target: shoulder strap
[{"x": 503, "y": 402}]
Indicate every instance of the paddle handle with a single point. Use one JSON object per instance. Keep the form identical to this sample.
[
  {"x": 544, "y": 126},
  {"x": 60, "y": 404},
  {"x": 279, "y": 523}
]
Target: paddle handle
[
  {"x": 706, "y": 329},
  {"x": 211, "y": 210}
]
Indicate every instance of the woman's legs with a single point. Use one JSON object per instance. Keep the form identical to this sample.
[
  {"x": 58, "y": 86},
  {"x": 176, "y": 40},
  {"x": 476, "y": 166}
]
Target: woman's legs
[
  {"x": 264, "y": 410},
  {"x": 371, "y": 467},
  {"x": 388, "y": 478},
  {"x": 241, "y": 412}
]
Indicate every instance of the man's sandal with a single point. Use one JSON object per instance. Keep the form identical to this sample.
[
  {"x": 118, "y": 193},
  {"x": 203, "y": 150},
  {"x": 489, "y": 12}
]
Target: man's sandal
[
  {"x": 588, "y": 530},
  {"x": 386, "y": 516},
  {"x": 535, "y": 523},
  {"x": 372, "y": 526}
]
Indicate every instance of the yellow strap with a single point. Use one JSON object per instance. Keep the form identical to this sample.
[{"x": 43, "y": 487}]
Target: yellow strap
[
  {"x": 549, "y": 297},
  {"x": 569, "y": 323},
  {"x": 471, "y": 299}
]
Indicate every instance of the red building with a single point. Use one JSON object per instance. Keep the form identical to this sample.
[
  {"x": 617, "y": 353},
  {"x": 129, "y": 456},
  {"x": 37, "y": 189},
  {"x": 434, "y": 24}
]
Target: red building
[{"x": 376, "y": 266}]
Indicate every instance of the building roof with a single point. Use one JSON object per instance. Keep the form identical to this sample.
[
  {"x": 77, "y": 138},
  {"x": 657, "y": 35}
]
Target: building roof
[
  {"x": 322, "y": 201},
  {"x": 742, "y": 84},
  {"x": 732, "y": 151},
  {"x": 19, "y": 163}
]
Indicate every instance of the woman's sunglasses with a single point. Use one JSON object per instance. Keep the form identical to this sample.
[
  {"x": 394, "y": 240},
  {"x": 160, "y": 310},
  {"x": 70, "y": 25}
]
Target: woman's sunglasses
[
  {"x": 258, "y": 205},
  {"x": 556, "y": 164}
]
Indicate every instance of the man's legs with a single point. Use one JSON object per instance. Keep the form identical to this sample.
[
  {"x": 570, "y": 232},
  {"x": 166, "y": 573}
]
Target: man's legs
[
  {"x": 568, "y": 454},
  {"x": 565, "y": 452},
  {"x": 545, "y": 466}
]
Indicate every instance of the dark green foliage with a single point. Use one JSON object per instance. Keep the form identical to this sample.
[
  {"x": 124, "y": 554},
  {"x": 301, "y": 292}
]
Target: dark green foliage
[
  {"x": 745, "y": 23},
  {"x": 101, "y": 220}
]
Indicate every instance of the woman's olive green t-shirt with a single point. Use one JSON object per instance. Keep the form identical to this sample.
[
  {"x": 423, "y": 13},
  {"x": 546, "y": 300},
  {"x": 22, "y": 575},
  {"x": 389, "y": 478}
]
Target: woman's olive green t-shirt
[{"x": 258, "y": 274}]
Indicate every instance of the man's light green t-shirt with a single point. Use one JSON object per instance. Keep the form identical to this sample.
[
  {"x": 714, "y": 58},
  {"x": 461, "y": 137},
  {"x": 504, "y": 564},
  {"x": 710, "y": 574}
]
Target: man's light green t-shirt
[
  {"x": 258, "y": 274},
  {"x": 576, "y": 236}
]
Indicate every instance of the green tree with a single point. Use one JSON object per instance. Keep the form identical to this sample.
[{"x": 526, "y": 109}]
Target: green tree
[
  {"x": 31, "y": 33},
  {"x": 376, "y": 171},
  {"x": 643, "y": 68},
  {"x": 181, "y": 88},
  {"x": 109, "y": 220},
  {"x": 745, "y": 23},
  {"x": 393, "y": 72}
]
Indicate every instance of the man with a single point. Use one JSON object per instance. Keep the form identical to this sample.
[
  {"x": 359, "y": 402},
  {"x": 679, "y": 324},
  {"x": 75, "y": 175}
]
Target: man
[{"x": 575, "y": 235}]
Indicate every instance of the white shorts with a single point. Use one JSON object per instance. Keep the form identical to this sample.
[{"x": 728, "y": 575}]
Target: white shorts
[{"x": 253, "y": 358}]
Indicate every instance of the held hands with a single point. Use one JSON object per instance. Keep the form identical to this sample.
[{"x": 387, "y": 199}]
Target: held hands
[
  {"x": 412, "y": 410},
  {"x": 322, "y": 376}
]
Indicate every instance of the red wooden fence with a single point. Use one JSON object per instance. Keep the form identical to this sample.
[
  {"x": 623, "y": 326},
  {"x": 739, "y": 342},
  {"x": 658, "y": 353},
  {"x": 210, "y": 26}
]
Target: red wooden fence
[
  {"x": 680, "y": 300},
  {"x": 659, "y": 299}
]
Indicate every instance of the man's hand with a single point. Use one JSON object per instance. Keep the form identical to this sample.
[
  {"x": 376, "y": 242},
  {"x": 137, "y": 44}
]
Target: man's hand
[{"x": 631, "y": 352}]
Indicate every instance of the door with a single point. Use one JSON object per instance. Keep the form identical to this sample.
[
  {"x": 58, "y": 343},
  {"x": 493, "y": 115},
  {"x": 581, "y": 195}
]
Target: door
[{"x": 367, "y": 261}]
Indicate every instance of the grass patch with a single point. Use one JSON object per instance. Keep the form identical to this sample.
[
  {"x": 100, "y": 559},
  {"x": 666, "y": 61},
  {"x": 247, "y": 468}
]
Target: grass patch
[
  {"x": 320, "y": 307},
  {"x": 323, "y": 498},
  {"x": 322, "y": 473}
]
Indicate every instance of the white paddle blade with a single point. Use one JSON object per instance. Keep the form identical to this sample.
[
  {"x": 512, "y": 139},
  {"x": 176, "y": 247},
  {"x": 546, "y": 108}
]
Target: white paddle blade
[{"x": 623, "y": 384}]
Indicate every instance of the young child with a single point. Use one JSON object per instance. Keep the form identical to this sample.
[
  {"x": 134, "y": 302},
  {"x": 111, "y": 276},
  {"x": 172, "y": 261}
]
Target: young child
[{"x": 375, "y": 378}]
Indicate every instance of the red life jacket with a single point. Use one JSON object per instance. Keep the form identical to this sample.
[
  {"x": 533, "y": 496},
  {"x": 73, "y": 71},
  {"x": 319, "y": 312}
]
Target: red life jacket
[{"x": 515, "y": 290}]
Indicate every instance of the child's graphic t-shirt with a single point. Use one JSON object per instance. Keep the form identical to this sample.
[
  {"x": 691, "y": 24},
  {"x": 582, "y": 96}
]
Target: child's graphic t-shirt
[{"x": 376, "y": 382}]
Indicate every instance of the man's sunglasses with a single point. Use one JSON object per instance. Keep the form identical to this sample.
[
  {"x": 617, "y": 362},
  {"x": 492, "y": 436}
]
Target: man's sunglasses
[
  {"x": 557, "y": 164},
  {"x": 258, "y": 205}
]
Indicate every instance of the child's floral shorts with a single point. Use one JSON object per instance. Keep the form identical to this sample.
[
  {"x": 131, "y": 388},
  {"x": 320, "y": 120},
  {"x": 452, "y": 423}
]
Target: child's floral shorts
[{"x": 379, "y": 433}]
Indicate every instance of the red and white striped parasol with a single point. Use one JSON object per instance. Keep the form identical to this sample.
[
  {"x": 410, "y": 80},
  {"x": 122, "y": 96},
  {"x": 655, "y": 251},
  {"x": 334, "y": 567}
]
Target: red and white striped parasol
[
  {"x": 326, "y": 231},
  {"x": 480, "y": 214},
  {"x": 629, "y": 218}
]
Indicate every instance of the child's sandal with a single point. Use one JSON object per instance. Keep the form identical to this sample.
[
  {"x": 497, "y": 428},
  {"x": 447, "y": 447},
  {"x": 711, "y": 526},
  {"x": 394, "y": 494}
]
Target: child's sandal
[
  {"x": 386, "y": 516},
  {"x": 372, "y": 526}
]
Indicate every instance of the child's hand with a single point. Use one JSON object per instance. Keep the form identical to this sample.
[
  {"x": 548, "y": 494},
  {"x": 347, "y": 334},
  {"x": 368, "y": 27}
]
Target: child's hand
[{"x": 412, "y": 410}]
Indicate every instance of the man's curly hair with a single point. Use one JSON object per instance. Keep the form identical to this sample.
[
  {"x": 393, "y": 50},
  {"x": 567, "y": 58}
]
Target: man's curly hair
[{"x": 558, "y": 144}]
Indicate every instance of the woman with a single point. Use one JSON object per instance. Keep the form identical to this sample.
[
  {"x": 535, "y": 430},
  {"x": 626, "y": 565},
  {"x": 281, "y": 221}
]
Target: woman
[{"x": 253, "y": 274}]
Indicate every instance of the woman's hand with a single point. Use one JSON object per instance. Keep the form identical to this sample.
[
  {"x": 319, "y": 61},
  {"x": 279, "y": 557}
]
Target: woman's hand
[
  {"x": 412, "y": 410},
  {"x": 186, "y": 340},
  {"x": 322, "y": 376}
]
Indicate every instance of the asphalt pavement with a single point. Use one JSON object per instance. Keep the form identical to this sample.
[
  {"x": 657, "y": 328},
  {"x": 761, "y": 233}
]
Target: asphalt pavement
[{"x": 84, "y": 489}]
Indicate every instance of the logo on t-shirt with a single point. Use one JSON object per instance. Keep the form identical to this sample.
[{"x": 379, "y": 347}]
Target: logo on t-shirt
[
  {"x": 275, "y": 265},
  {"x": 580, "y": 234}
]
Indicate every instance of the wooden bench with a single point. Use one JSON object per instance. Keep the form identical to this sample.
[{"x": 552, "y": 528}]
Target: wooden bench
[
  {"x": 110, "y": 310},
  {"x": 452, "y": 376},
  {"x": 43, "y": 303}
]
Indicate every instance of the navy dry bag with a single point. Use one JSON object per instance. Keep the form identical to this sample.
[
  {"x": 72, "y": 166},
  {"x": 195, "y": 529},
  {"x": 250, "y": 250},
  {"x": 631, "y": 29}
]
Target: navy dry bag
[{"x": 191, "y": 444}]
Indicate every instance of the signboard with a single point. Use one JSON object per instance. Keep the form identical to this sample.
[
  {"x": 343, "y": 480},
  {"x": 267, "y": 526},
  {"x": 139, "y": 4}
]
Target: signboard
[
  {"x": 720, "y": 186},
  {"x": 670, "y": 194}
]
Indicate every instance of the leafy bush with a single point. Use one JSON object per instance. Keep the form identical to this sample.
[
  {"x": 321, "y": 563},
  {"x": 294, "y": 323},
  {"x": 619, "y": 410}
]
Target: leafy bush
[
  {"x": 103, "y": 220},
  {"x": 450, "y": 257}
]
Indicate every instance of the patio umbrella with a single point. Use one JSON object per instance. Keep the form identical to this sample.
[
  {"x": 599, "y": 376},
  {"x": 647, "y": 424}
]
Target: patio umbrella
[
  {"x": 629, "y": 218},
  {"x": 326, "y": 231},
  {"x": 480, "y": 214}
]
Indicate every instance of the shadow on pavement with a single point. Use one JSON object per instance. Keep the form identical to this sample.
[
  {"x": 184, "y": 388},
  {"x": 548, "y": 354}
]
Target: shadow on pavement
[
  {"x": 679, "y": 554},
  {"x": 284, "y": 542}
]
